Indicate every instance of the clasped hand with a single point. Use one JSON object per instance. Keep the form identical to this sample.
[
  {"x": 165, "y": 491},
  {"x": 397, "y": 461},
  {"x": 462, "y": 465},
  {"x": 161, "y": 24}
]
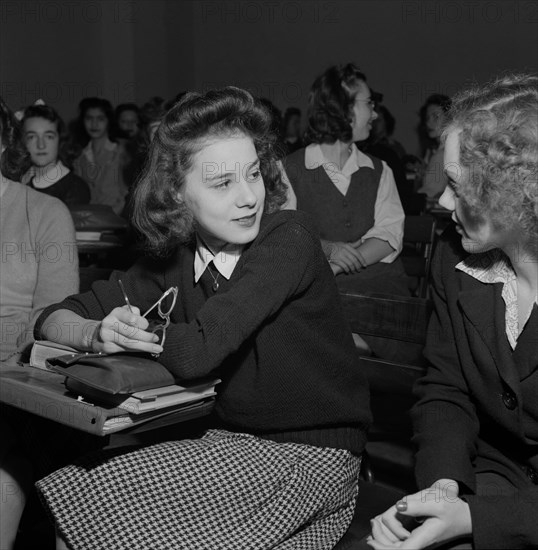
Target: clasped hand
[
  {"x": 124, "y": 329},
  {"x": 430, "y": 516},
  {"x": 344, "y": 257}
]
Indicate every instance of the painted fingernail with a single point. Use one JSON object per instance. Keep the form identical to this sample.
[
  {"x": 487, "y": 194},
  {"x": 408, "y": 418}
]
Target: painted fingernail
[{"x": 401, "y": 506}]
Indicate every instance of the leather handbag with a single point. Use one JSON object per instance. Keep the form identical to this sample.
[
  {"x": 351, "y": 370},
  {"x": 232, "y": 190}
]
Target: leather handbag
[{"x": 120, "y": 373}]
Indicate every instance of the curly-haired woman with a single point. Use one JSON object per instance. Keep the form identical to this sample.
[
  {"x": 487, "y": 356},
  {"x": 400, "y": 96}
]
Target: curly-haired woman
[
  {"x": 257, "y": 306},
  {"x": 476, "y": 421}
]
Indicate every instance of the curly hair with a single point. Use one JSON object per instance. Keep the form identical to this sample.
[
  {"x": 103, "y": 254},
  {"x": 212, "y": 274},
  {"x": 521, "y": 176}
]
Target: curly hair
[
  {"x": 14, "y": 160},
  {"x": 165, "y": 222},
  {"x": 330, "y": 104},
  {"x": 499, "y": 151}
]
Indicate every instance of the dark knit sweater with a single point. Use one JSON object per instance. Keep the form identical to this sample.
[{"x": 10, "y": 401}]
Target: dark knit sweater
[
  {"x": 274, "y": 333},
  {"x": 71, "y": 189}
]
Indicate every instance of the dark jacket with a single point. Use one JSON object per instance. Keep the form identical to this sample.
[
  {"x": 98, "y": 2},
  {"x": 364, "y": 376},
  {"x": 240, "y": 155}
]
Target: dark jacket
[{"x": 476, "y": 420}]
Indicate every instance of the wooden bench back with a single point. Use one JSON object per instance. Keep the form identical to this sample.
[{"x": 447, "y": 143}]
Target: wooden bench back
[{"x": 391, "y": 383}]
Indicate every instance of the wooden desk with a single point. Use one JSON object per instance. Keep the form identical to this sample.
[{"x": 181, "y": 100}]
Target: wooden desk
[{"x": 44, "y": 394}]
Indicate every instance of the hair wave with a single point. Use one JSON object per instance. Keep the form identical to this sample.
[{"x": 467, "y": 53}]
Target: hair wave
[
  {"x": 15, "y": 159},
  {"x": 330, "y": 104}
]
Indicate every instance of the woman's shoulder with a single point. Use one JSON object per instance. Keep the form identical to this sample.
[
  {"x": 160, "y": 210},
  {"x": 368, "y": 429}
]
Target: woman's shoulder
[
  {"x": 73, "y": 181},
  {"x": 45, "y": 212},
  {"x": 36, "y": 201},
  {"x": 284, "y": 221}
]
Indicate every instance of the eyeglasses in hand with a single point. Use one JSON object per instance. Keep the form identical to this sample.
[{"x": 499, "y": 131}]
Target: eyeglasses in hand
[{"x": 165, "y": 304}]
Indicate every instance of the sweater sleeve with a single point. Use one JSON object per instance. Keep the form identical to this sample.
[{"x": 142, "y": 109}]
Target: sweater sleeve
[
  {"x": 143, "y": 283},
  {"x": 277, "y": 269},
  {"x": 57, "y": 275},
  {"x": 505, "y": 521},
  {"x": 445, "y": 422}
]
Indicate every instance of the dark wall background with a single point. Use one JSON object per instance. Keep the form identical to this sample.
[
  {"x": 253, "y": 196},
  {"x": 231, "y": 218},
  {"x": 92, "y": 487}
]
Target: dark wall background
[{"x": 129, "y": 50}]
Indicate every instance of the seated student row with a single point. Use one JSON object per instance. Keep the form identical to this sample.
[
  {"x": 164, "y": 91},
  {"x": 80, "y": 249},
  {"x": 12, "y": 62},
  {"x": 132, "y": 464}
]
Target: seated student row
[
  {"x": 292, "y": 411},
  {"x": 501, "y": 102}
]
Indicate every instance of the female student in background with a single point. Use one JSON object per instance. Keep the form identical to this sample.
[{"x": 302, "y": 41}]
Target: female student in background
[
  {"x": 102, "y": 161},
  {"x": 43, "y": 135},
  {"x": 256, "y": 306},
  {"x": 433, "y": 179},
  {"x": 476, "y": 421},
  {"x": 351, "y": 196}
]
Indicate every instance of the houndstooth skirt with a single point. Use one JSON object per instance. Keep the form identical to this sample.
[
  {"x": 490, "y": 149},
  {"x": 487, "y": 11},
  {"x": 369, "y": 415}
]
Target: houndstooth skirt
[{"x": 224, "y": 491}]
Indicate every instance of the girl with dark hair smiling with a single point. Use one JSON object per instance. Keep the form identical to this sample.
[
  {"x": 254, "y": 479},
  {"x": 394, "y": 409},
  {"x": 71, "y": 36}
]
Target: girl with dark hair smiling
[{"x": 256, "y": 306}]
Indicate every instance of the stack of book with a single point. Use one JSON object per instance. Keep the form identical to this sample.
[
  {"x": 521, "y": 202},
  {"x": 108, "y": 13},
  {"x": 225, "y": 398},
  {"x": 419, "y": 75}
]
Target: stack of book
[
  {"x": 44, "y": 349},
  {"x": 107, "y": 413},
  {"x": 145, "y": 401}
]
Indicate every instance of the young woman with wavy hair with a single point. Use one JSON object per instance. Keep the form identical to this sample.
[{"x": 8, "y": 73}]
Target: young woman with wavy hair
[{"x": 257, "y": 306}]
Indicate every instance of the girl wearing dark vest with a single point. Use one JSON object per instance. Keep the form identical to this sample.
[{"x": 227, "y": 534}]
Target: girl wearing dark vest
[
  {"x": 256, "y": 306},
  {"x": 352, "y": 196},
  {"x": 476, "y": 421}
]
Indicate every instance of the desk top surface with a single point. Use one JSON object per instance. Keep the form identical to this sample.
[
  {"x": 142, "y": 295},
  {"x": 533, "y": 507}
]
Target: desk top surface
[{"x": 43, "y": 393}]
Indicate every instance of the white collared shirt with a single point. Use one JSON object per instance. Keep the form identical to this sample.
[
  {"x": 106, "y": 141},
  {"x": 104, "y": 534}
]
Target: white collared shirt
[
  {"x": 388, "y": 216},
  {"x": 492, "y": 267},
  {"x": 224, "y": 261}
]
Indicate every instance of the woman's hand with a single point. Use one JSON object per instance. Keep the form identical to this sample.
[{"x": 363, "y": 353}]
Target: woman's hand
[
  {"x": 124, "y": 330},
  {"x": 343, "y": 258},
  {"x": 438, "y": 512}
]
